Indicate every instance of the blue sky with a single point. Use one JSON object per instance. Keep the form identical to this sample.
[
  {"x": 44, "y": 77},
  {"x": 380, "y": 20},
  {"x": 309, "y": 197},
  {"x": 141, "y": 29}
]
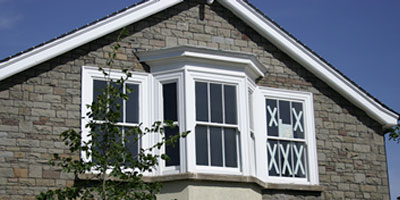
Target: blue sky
[{"x": 360, "y": 38}]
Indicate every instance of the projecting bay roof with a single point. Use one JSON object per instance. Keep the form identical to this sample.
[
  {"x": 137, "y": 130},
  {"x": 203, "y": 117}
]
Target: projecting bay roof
[{"x": 242, "y": 9}]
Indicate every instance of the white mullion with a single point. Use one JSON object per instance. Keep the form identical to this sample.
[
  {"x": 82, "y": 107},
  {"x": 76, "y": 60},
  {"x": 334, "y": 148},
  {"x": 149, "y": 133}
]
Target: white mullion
[
  {"x": 126, "y": 124},
  {"x": 223, "y": 122},
  {"x": 223, "y": 147},
  {"x": 291, "y": 142},
  {"x": 286, "y": 139},
  {"x": 238, "y": 157},
  {"x": 123, "y": 115},
  {"x": 209, "y": 102},
  {"x": 306, "y": 165},
  {"x": 279, "y": 157},
  {"x": 124, "y": 104},
  {"x": 223, "y": 103},
  {"x": 278, "y": 114},
  {"x": 177, "y": 103},
  {"x": 209, "y": 120},
  {"x": 292, "y": 157},
  {"x": 218, "y": 125},
  {"x": 209, "y": 146}
]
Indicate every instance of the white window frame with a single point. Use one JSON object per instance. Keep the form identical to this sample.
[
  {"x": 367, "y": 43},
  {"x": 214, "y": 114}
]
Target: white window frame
[
  {"x": 164, "y": 78},
  {"x": 220, "y": 76},
  {"x": 306, "y": 98},
  {"x": 90, "y": 73}
]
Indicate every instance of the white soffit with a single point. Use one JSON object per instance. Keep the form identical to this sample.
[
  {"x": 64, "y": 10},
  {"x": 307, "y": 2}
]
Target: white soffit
[
  {"x": 311, "y": 62},
  {"x": 83, "y": 36},
  {"x": 174, "y": 54}
]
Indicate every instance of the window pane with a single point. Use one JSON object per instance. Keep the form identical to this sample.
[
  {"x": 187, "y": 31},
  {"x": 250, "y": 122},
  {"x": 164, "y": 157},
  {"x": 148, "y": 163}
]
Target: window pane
[
  {"x": 170, "y": 102},
  {"x": 299, "y": 153},
  {"x": 201, "y": 145},
  {"x": 285, "y": 126},
  {"x": 132, "y": 143},
  {"x": 298, "y": 120},
  {"x": 201, "y": 102},
  {"x": 172, "y": 150},
  {"x": 230, "y": 104},
  {"x": 118, "y": 102},
  {"x": 97, "y": 139},
  {"x": 284, "y": 111},
  {"x": 216, "y": 146},
  {"x": 216, "y": 102},
  {"x": 273, "y": 158},
  {"x": 272, "y": 117},
  {"x": 98, "y": 88},
  {"x": 230, "y": 147},
  {"x": 132, "y": 105},
  {"x": 286, "y": 158},
  {"x": 102, "y": 140}
]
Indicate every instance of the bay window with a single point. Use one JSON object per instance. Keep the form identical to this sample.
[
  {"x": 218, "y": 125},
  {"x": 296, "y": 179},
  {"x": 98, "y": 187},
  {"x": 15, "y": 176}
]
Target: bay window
[{"x": 237, "y": 127}]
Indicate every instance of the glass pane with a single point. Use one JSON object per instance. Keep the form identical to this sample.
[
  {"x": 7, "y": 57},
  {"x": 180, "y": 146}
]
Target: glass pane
[
  {"x": 230, "y": 147},
  {"x": 97, "y": 139},
  {"x": 273, "y": 158},
  {"x": 298, "y": 120},
  {"x": 284, "y": 111},
  {"x": 102, "y": 141},
  {"x": 98, "y": 88},
  {"x": 299, "y": 153},
  {"x": 132, "y": 105},
  {"x": 170, "y": 102},
  {"x": 230, "y": 104},
  {"x": 201, "y": 145},
  {"x": 118, "y": 102},
  {"x": 132, "y": 143},
  {"x": 201, "y": 102},
  {"x": 272, "y": 117},
  {"x": 285, "y": 126},
  {"x": 172, "y": 150},
  {"x": 216, "y": 146},
  {"x": 216, "y": 102},
  {"x": 286, "y": 158}
]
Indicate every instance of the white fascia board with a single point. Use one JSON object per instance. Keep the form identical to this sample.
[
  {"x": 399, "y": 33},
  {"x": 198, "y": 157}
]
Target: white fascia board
[
  {"x": 81, "y": 37},
  {"x": 311, "y": 62},
  {"x": 167, "y": 55}
]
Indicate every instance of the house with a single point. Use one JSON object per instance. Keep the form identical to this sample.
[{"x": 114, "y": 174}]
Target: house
[{"x": 270, "y": 119}]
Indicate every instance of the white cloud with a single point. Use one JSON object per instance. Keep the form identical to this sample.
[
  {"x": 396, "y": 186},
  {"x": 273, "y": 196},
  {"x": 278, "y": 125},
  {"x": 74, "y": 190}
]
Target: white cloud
[{"x": 7, "y": 22}]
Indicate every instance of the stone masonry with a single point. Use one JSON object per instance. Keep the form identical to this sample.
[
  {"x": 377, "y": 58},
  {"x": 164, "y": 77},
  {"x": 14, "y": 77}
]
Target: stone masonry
[{"x": 39, "y": 103}]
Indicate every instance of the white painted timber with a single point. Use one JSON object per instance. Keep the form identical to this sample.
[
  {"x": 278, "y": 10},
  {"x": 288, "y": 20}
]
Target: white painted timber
[{"x": 83, "y": 36}]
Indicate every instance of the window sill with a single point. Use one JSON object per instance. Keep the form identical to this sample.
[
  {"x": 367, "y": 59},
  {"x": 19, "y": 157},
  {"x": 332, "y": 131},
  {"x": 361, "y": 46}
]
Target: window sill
[{"x": 222, "y": 178}]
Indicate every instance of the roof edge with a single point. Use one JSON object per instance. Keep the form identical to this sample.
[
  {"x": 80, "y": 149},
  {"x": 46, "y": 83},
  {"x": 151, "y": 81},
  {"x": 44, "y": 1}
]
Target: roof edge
[
  {"x": 87, "y": 34},
  {"x": 244, "y": 59},
  {"x": 311, "y": 62}
]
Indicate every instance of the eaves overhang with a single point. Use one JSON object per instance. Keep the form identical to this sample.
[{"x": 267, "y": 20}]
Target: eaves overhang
[
  {"x": 167, "y": 56},
  {"x": 65, "y": 43},
  {"x": 312, "y": 62}
]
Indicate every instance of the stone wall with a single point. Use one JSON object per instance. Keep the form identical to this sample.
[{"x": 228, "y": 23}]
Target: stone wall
[{"x": 39, "y": 103}]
